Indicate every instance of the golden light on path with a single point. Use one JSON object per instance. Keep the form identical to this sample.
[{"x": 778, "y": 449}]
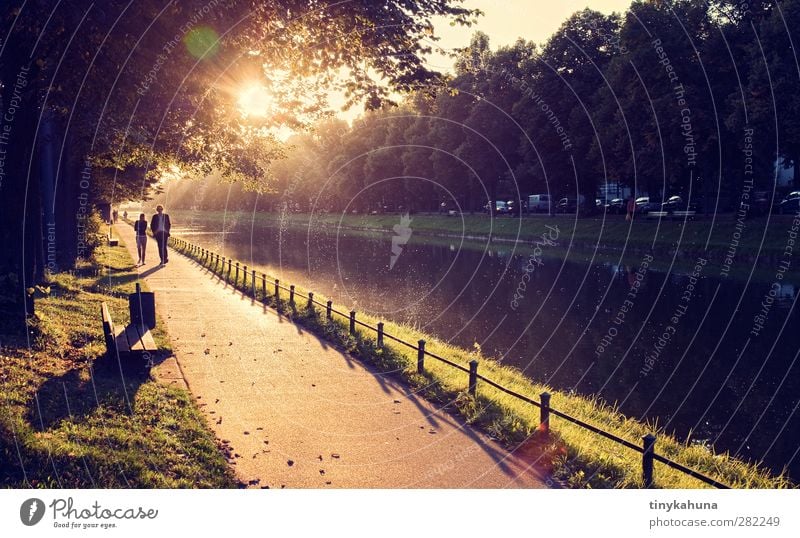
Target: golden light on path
[{"x": 255, "y": 100}]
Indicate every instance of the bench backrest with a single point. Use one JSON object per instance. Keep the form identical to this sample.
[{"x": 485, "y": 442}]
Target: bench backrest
[{"x": 142, "y": 307}]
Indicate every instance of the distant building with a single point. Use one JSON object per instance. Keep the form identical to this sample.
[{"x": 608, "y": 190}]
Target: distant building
[
  {"x": 612, "y": 189},
  {"x": 785, "y": 175}
]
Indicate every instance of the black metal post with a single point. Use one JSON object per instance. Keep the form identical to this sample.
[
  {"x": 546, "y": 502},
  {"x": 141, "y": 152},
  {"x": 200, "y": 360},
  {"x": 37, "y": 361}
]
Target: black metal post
[
  {"x": 473, "y": 377},
  {"x": 291, "y": 294},
  {"x": 264, "y": 285},
  {"x": 648, "y": 444},
  {"x": 352, "y": 322},
  {"x": 421, "y": 356},
  {"x": 329, "y": 310},
  {"x": 544, "y": 412},
  {"x": 311, "y": 300},
  {"x": 277, "y": 290},
  {"x": 254, "y": 283},
  {"x": 380, "y": 334},
  {"x": 236, "y": 281}
]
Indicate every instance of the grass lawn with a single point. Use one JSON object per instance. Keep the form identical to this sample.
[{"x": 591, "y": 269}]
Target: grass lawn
[{"x": 69, "y": 419}]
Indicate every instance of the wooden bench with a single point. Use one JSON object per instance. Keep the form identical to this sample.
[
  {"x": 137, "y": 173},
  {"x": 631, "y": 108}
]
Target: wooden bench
[
  {"x": 112, "y": 241},
  {"x": 132, "y": 341}
]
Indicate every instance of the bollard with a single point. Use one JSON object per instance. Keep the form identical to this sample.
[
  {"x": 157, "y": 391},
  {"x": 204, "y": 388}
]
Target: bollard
[
  {"x": 311, "y": 301},
  {"x": 648, "y": 444},
  {"x": 291, "y": 294},
  {"x": 254, "y": 283},
  {"x": 380, "y": 334},
  {"x": 229, "y": 271},
  {"x": 473, "y": 377},
  {"x": 216, "y": 261},
  {"x": 352, "y": 322},
  {"x": 277, "y": 290},
  {"x": 329, "y": 310},
  {"x": 244, "y": 279},
  {"x": 421, "y": 357},
  {"x": 544, "y": 413},
  {"x": 264, "y": 285},
  {"x": 236, "y": 282}
]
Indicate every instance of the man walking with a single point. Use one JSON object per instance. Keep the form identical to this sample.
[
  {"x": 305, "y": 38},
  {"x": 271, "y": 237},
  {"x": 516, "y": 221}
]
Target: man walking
[{"x": 160, "y": 226}]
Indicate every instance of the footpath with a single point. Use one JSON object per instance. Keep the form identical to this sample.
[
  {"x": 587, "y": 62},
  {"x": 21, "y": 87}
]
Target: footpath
[{"x": 291, "y": 411}]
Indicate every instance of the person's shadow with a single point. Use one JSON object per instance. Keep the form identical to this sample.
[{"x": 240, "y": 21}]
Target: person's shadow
[{"x": 150, "y": 271}]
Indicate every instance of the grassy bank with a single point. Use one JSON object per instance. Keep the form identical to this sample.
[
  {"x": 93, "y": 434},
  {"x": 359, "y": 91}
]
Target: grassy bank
[
  {"x": 571, "y": 454},
  {"x": 610, "y": 232},
  {"x": 69, "y": 419}
]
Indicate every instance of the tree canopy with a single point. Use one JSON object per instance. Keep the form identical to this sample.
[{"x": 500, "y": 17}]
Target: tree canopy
[{"x": 102, "y": 100}]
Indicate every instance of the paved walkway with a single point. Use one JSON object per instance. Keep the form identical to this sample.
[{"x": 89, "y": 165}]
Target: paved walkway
[{"x": 297, "y": 413}]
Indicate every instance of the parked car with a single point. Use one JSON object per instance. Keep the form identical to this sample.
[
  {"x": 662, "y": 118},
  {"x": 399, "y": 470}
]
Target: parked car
[
  {"x": 673, "y": 203},
  {"x": 642, "y": 205},
  {"x": 789, "y": 206},
  {"x": 500, "y": 207},
  {"x": 616, "y": 206},
  {"x": 539, "y": 203},
  {"x": 567, "y": 205}
]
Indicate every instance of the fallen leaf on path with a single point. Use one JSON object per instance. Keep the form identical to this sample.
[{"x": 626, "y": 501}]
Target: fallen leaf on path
[{"x": 289, "y": 463}]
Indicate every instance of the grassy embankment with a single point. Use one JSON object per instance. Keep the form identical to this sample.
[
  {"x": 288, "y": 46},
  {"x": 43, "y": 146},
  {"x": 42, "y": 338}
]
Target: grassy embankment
[
  {"x": 675, "y": 243},
  {"x": 613, "y": 230},
  {"x": 571, "y": 454},
  {"x": 68, "y": 418}
]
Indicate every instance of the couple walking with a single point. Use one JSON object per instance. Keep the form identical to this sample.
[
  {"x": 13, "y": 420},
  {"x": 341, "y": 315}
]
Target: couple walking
[{"x": 160, "y": 226}]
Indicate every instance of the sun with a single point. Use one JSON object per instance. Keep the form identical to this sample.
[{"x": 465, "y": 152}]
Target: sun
[{"x": 255, "y": 100}]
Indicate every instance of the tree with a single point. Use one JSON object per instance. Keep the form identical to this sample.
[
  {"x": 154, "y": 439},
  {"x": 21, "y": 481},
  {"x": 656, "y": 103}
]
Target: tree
[
  {"x": 117, "y": 91},
  {"x": 773, "y": 85}
]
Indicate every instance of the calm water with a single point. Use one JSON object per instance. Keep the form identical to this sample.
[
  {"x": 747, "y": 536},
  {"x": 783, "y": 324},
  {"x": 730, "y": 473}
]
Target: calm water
[{"x": 680, "y": 348}]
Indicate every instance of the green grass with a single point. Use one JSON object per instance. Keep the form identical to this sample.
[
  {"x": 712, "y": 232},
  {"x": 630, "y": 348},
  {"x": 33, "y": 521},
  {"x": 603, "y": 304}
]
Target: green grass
[
  {"x": 571, "y": 454},
  {"x": 69, "y": 419}
]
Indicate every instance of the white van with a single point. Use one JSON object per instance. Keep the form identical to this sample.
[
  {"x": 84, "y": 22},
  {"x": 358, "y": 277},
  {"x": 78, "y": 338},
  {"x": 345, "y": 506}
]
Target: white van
[{"x": 539, "y": 203}]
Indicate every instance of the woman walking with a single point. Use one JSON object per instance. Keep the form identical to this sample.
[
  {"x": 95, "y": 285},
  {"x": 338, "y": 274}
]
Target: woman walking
[{"x": 140, "y": 227}]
